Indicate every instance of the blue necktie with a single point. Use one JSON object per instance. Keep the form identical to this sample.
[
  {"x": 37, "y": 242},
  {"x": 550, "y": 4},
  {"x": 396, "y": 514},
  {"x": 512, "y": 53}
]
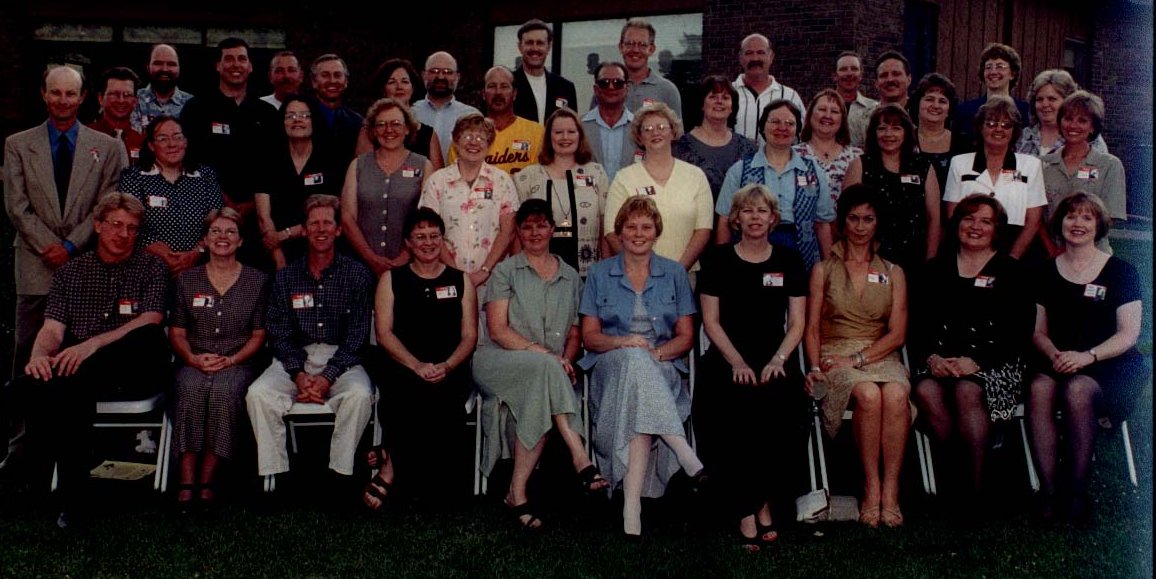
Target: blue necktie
[{"x": 62, "y": 167}]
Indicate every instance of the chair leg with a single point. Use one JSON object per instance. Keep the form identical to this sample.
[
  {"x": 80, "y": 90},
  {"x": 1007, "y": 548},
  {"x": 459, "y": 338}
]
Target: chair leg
[
  {"x": 479, "y": 484},
  {"x": 1127, "y": 438},
  {"x": 926, "y": 469},
  {"x": 1033, "y": 480}
]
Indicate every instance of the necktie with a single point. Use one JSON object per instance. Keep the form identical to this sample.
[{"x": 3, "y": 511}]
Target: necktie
[{"x": 62, "y": 167}]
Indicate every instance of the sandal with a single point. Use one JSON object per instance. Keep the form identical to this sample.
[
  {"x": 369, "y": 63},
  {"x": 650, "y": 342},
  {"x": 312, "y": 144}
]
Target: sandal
[
  {"x": 377, "y": 457},
  {"x": 699, "y": 481},
  {"x": 892, "y": 518},
  {"x": 870, "y": 517},
  {"x": 750, "y": 544},
  {"x": 592, "y": 480},
  {"x": 767, "y": 533},
  {"x": 525, "y": 509},
  {"x": 185, "y": 507},
  {"x": 378, "y": 488}
]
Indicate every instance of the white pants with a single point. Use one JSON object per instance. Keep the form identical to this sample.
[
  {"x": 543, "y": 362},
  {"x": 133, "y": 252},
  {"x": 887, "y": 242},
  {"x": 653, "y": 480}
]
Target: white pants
[{"x": 274, "y": 392}]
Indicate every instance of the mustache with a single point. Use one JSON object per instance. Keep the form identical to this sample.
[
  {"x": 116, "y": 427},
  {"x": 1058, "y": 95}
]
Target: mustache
[{"x": 754, "y": 64}]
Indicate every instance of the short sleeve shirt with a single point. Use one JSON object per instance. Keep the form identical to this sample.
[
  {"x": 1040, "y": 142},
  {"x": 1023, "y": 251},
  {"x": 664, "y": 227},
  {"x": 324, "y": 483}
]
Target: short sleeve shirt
[
  {"x": 214, "y": 322},
  {"x": 472, "y": 214},
  {"x": 91, "y": 297},
  {"x": 174, "y": 212}
]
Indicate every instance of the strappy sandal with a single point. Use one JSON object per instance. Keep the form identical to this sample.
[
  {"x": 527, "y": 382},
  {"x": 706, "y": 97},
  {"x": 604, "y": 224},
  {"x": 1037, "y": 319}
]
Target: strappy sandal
[
  {"x": 378, "y": 488},
  {"x": 592, "y": 480},
  {"x": 525, "y": 509},
  {"x": 892, "y": 518}
]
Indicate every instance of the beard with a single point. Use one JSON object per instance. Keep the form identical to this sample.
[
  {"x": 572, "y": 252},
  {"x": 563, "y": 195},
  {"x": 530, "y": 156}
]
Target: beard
[
  {"x": 439, "y": 89},
  {"x": 164, "y": 82}
]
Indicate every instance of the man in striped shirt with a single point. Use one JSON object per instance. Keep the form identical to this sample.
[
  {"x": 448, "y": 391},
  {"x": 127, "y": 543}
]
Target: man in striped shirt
[{"x": 756, "y": 87}]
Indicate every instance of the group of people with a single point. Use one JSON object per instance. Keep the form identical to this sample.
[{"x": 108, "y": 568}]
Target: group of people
[{"x": 514, "y": 252}]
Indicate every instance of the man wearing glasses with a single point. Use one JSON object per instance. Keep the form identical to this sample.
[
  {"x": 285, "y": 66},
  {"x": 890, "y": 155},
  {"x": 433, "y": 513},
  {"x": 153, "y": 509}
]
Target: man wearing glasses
[
  {"x": 636, "y": 44},
  {"x": 117, "y": 97},
  {"x": 53, "y": 175},
  {"x": 439, "y": 109},
  {"x": 607, "y": 125},
  {"x": 101, "y": 340},
  {"x": 999, "y": 70}
]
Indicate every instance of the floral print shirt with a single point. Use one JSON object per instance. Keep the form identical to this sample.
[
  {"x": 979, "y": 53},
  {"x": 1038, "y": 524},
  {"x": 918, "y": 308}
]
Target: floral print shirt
[{"x": 472, "y": 213}]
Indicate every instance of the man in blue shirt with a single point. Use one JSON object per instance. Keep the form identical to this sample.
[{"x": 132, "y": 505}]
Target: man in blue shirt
[{"x": 607, "y": 125}]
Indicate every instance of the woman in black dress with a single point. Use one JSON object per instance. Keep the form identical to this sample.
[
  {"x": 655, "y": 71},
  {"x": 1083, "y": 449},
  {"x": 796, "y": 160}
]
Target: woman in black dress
[
  {"x": 748, "y": 386},
  {"x": 1087, "y": 322},
  {"x": 971, "y": 336},
  {"x": 427, "y": 321}
]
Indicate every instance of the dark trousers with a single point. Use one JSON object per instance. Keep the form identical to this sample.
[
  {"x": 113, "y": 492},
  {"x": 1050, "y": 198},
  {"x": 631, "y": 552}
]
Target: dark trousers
[
  {"x": 29, "y": 319},
  {"x": 61, "y": 411}
]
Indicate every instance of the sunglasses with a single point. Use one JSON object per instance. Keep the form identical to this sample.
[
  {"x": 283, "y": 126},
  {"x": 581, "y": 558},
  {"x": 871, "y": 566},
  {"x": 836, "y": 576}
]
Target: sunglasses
[{"x": 611, "y": 82}]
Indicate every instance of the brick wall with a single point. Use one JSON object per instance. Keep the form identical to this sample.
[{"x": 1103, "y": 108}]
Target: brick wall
[
  {"x": 806, "y": 36},
  {"x": 1122, "y": 76}
]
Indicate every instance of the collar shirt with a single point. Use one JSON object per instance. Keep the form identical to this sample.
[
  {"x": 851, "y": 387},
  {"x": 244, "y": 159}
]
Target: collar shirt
[
  {"x": 1030, "y": 143},
  {"x": 751, "y": 105},
  {"x": 654, "y": 88},
  {"x": 333, "y": 310},
  {"x": 859, "y": 116},
  {"x": 609, "y": 150},
  {"x": 133, "y": 139},
  {"x": 1018, "y": 187},
  {"x": 472, "y": 214},
  {"x": 148, "y": 107},
  {"x": 91, "y": 297},
  {"x": 442, "y": 119},
  {"x": 173, "y": 211}
]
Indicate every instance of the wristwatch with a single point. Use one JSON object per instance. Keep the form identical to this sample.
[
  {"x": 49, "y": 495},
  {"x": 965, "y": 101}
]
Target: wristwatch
[
  {"x": 781, "y": 357},
  {"x": 486, "y": 268},
  {"x": 1095, "y": 358}
]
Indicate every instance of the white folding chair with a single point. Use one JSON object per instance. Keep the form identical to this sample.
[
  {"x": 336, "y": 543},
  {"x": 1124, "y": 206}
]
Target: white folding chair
[
  {"x": 474, "y": 418},
  {"x": 313, "y": 414},
  {"x": 131, "y": 414},
  {"x": 1033, "y": 477}
]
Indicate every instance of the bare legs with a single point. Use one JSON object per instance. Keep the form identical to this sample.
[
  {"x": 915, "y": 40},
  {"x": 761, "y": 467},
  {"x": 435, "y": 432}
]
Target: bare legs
[
  {"x": 881, "y": 422},
  {"x": 638, "y": 459},
  {"x": 525, "y": 459},
  {"x": 966, "y": 413}
]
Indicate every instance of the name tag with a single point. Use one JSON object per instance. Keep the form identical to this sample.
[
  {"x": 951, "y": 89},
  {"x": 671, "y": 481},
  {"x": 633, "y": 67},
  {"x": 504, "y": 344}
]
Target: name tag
[
  {"x": 877, "y": 277},
  {"x": 772, "y": 280},
  {"x": 158, "y": 202},
  {"x": 638, "y": 156},
  {"x": 563, "y": 233},
  {"x": 561, "y": 103},
  {"x": 410, "y": 172},
  {"x": 484, "y": 192},
  {"x": 1096, "y": 292},
  {"x": 1088, "y": 173},
  {"x": 647, "y": 101},
  {"x": 520, "y": 145},
  {"x": 221, "y": 129},
  {"x": 127, "y": 307},
  {"x": 584, "y": 180},
  {"x": 910, "y": 179},
  {"x": 134, "y": 153},
  {"x": 302, "y": 301},
  {"x": 446, "y": 292},
  {"x": 202, "y": 301},
  {"x": 984, "y": 281},
  {"x": 1008, "y": 175},
  {"x": 647, "y": 190},
  {"x": 314, "y": 179}
]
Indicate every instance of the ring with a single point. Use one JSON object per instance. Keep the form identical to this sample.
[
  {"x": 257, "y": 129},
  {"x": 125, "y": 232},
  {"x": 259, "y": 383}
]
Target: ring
[{"x": 827, "y": 361}]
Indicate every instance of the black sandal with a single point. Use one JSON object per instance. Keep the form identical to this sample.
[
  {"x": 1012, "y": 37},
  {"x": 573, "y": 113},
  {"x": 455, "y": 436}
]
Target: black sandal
[
  {"x": 750, "y": 544},
  {"x": 525, "y": 509},
  {"x": 591, "y": 476},
  {"x": 765, "y": 530},
  {"x": 378, "y": 488}
]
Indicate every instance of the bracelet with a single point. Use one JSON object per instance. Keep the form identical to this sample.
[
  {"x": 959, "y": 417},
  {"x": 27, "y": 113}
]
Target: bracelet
[
  {"x": 486, "y": 268},
  {"x": 1095, "y": 358},
  {"x": 780, "y": 357},
  {"x": 816, "y": 369}
]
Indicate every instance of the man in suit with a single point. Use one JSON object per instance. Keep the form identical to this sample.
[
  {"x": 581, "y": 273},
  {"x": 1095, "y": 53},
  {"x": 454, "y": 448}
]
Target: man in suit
[
  {"x": 540, "y": 92},
  {"x": 54, "y": 174},
  {"x": 607, "y": 125}
]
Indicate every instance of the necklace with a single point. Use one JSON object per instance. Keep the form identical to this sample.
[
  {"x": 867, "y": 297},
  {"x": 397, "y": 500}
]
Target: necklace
[{"x": 762, "y": 255}]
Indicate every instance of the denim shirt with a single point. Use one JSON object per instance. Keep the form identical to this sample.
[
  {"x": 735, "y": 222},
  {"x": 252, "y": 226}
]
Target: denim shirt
[{"x": 609, "y": 296}]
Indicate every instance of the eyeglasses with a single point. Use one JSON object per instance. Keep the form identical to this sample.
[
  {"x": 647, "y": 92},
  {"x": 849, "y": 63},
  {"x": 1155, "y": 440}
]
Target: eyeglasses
[
  {"x": 117, "y": 225},
  {"x": 615, "y": 83},
  {"x": 660, "y": 127},
  {"x": 294, "y": 115},
  {"x": 422, "y": 237},
  {"x": 441, "y": 71},
  {"x": 1005, "y": 125},
  {"x": 635, "y": 45},
  {"x": 230, "y": 232},
  {"x": 394, "y": 124},
  {"x": 778, "y": 123},
  {"x": 176, "y": 138},
  {"x": 474, "y": 138},
  {"x": 995, "y": 66},
  {"x": 123, "y": 96}
]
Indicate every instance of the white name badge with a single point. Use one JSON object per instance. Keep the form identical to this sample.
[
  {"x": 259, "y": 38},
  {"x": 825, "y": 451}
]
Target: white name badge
[
  {"x": 984, "y": 281},
  {"x": 301, "y": 301},
  {"x": 221, "y": 129},
  {"x": 446, "y": 292},
  {"x": 647, "y": 190},
  {"x": 126, "y": 307},
  {"x": 1088, "y": 173},
  {"x": 772, "y": 280},
  {"x": 876, "y": 277},
  {"x": 909, "y": 179},
  {"x": 1096, "y": 292},
  {"x": 520, "y": 145},
  {"x": 158, "y": 202},
  {"x": 410, "y": 172},
  {"x": 639, "y": 156},
  {"x": 561, "y": 103},
  {"x": 314, "y": 179}
]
